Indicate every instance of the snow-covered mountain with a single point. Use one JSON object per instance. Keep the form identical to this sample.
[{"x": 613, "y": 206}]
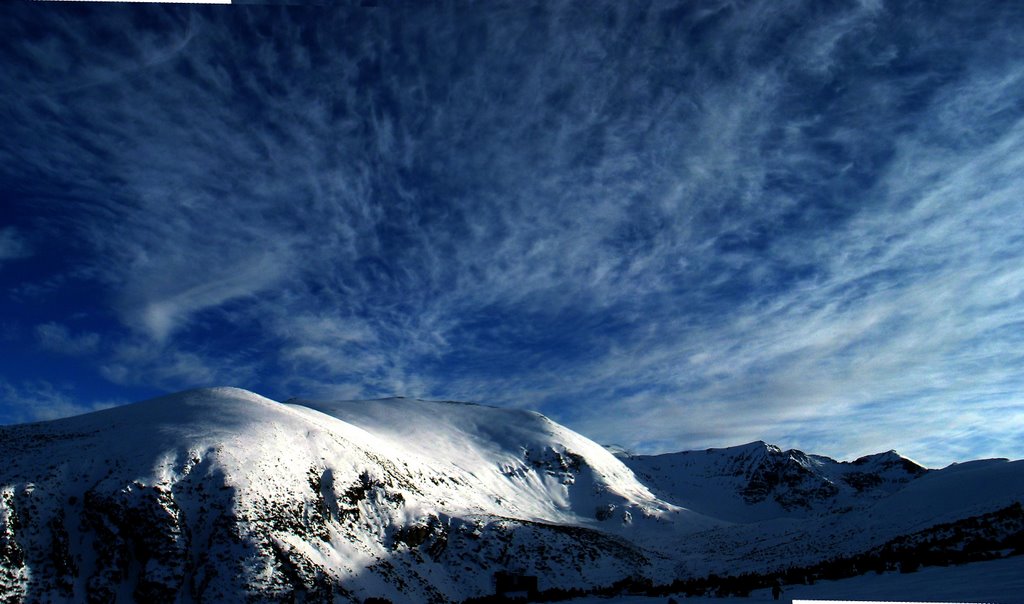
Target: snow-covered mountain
[
  {"x": 790, "y": 509},
  {"x": 759, "y": 481},
  {"x": 223, "y": 495},
  {"x": 213, "y": 493},
  {"x": 509, "y": 462}
]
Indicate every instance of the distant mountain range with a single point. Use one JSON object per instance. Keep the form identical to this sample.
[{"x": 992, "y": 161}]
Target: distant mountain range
[
  {"x": 223, "y": 495},
  {"x": 759, "y": 481}
]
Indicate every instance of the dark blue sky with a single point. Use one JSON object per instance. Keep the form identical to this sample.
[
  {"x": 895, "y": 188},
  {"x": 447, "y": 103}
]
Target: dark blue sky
[{"x": 666, "y": 224}]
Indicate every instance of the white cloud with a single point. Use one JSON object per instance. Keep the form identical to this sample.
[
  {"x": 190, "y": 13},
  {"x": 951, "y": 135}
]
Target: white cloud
[
  {"x": 40, "y": 400},
  {"x": 161, "y": 303},
  {"x": 12, "y": 245},
  {"x": 142, "y": 362},
  {"x": 58, "y": 338},
  {"x": 909, "y": 329},
  {"x": 674, "y": 227}
]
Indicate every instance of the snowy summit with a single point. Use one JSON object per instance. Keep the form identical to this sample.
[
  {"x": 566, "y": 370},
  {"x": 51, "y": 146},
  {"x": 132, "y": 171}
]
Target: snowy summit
[{"x": 221, "y": 494}]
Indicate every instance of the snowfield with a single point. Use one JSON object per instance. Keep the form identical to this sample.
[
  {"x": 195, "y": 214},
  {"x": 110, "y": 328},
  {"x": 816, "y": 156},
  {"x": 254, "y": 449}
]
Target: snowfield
[
  {"x": 995, "y": 582},
  {"x": 221, "y": 494}
]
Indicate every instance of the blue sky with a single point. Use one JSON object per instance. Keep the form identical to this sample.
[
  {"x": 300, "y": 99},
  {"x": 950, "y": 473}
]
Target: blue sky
[{"x": 668, "y": 225}]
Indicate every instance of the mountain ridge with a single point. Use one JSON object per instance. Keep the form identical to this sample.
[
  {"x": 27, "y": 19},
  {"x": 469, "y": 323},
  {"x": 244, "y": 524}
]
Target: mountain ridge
[{"x": 224, "y": 494}]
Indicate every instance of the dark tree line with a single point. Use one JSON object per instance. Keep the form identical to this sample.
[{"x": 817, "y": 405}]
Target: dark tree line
[{"x": 989, "y": 536}]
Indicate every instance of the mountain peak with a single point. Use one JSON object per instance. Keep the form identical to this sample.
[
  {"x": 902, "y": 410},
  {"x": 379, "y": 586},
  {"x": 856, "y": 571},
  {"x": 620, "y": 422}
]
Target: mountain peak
[
  {"x": 889, "y": 460},
  {"x": 758, "y": 480},
  {"x": 757, "y": 448}
]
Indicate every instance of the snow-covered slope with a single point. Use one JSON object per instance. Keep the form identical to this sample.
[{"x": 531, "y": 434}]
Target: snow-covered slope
[
  {"x": 223, "y": 495},
  {"x": 795, "y": 510},
  {"x": 213, "y": 493},
  {"x": 511, "y": 462},
  {"x": 759, "y": 481},
  {"x": 995, "y": 582}
]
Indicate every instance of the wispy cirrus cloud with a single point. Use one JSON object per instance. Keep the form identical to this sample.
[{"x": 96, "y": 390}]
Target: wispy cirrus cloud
[
  {"x": 39, "y": 400},
  {"x": 12, "y": 245},
  {"x": 667, "y": 225},
  {"x": 55, "y": 337},
  {"x": 911, "y": 318}
]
